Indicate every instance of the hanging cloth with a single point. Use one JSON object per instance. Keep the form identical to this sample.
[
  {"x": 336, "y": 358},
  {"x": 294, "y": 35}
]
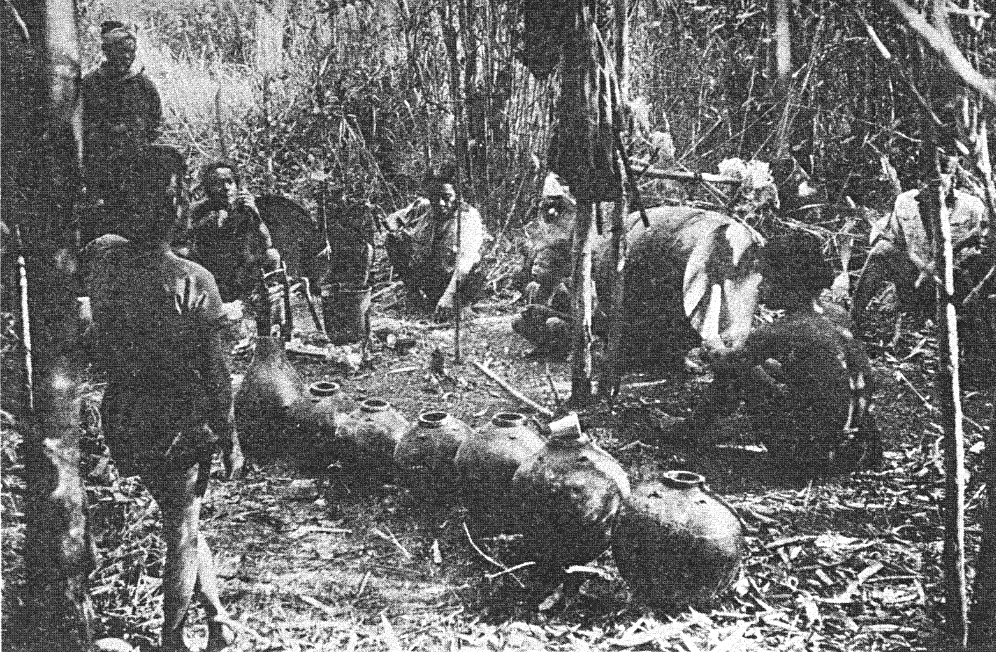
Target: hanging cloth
[{"x": 584, "y": 149}]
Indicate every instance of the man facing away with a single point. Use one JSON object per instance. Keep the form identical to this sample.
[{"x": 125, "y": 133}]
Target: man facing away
[
  {"x": 426, "y": 252},
  {"x": 168, "y": 402}
]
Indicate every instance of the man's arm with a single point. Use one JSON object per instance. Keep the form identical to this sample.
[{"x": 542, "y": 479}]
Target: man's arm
[
  {"x": 155, "y": 110},
  {"x": 200, "y": 300},
  {"x": 263, "y": 250},
  {"x": 468, "y": 255}
]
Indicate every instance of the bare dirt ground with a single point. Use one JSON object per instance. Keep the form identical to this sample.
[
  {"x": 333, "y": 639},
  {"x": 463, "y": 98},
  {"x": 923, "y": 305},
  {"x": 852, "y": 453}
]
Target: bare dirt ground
[{"x": 834, "y": 563}]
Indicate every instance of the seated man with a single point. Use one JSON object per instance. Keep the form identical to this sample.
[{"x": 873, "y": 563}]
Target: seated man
[
  {"x": 807, "y": 383},
  {"x": 425, "y": 251},
  {"x": 168, "y": 402},
  {"x": 226, "y": 235},
  {"x": 546, "y": 320}
]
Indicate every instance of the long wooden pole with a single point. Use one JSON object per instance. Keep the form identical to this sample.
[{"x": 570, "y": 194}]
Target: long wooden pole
[
  {"x": 581, "y": 366},
  {"x": 949, "y": 400},
  {"x": 608, "y": 386}
]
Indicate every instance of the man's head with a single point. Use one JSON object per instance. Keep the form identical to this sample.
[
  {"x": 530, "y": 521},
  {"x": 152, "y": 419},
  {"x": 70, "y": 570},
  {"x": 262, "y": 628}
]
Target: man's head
[
  {"x": 220, "y": 181},
  {"x": 157, "y": 193},
  {"x": 556, "y": 203},
  {"x": 119, "y": 44},
  {"x": 440, "y": 190}
]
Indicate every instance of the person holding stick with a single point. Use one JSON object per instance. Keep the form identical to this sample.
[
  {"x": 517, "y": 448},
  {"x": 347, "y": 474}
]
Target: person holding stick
[
  {"x": 168, "y": 402},
  {"x": 435, "y": 245}
]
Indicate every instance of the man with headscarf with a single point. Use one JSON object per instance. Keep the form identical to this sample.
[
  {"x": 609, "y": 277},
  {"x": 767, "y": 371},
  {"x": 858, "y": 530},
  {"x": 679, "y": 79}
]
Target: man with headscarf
[
  {"x": 428, "y": 255},
  {"x": 122, "y": 113}
]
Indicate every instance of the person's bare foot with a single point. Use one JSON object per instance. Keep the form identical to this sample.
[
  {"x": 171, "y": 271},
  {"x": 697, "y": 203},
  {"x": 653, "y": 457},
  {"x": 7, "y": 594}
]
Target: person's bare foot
[{"x": 222, "y": 633}]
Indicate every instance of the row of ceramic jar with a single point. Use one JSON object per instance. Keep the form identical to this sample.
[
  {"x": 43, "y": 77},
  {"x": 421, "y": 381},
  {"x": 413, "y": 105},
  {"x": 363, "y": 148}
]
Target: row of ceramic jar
[{"x": 673, "y": 541}]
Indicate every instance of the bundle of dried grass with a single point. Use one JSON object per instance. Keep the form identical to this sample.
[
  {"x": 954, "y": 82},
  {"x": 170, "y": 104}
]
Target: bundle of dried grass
[{"x": 586, "y": 142}]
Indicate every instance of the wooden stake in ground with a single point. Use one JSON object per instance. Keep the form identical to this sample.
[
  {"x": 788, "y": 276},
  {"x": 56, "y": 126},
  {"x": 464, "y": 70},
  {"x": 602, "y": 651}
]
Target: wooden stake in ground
[
  {"x": 581, "y": 301},
  {"x": 608, "y": 385},
  {"x": 949, "y": 401}
]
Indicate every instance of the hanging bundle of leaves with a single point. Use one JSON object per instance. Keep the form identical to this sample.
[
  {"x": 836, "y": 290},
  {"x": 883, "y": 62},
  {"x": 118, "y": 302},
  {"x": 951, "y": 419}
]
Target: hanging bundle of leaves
[
  {"x": 543, "y": 27},
  {"x": 585, "y": 145},
  {"x": 544, "y": 23}
]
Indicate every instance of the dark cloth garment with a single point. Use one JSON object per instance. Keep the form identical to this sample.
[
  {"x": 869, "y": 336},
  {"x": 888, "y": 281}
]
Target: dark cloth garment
[
  {"x": 547, "y": 329},
  {"x": 231, "y": 244},
  {"x": 155, "y": 333},
  {"x": 424, "y": 251},
  {"x": 810, "y": 390},
  {"x": 121, "y": 115}
]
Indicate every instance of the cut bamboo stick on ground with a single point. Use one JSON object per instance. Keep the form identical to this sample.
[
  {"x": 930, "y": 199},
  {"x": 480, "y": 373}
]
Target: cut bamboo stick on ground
[{"x": 513, "y": 391}]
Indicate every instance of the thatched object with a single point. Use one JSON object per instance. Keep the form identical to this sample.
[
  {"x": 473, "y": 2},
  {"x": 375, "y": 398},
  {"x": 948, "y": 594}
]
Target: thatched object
[{"x": 585, "y": 146}]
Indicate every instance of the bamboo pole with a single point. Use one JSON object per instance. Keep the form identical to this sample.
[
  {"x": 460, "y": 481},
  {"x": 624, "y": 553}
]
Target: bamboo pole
[
  {"x": 608, "y": 385},
  {"x": 949, "y": 400},
  {"x": 581, "y": 300},
  {"x": 983, "y": 613}
]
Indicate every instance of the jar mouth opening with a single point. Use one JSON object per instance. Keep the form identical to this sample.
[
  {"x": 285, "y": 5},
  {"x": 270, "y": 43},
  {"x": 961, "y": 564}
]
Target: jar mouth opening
[
  {"x": 433, "y": 417},
  {"x": 683, "y": 479},
  {"x": 375, "y": 405},
  {"x": 508, "y": 418},
  {"x": 324, "y": 388}
]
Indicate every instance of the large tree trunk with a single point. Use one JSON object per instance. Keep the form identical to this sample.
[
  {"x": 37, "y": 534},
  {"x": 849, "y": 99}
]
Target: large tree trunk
[{"x": 40, "y": 177}]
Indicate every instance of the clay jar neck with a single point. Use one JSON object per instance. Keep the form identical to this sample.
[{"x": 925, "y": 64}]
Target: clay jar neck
[
  {"x": 323, "y": 389},
  {"x": 372, "y": 405},
  {"x": 508, "y": 420},
  {"x": 433, "y": 419},
  {"x": 684, "y": 480}
]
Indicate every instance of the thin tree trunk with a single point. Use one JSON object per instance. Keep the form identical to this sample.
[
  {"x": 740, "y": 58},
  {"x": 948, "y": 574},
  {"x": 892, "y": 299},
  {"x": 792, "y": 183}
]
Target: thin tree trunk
[
  {"x": 983, "y": 614},
  {"x": 581, "y": 307},
  {"x": 782, "y": 69},
  {"x": 41, "y": 133},
  {"x": 949, "y": 399},
  {"x": 608, "y": 386}
]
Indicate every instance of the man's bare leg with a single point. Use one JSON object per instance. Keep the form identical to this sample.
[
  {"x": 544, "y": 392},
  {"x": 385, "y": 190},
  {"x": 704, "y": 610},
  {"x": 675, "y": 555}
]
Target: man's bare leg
[
  {"x": 221, "y": 629},
  {"x": 180, "y": 506}
]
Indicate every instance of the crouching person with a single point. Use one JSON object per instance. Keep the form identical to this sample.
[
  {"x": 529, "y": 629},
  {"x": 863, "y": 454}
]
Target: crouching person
[
  {"x": 168, "y": 402},
  {"x": 806, "y": 382},
  {"x": 426, "y": 252},
  {"x": 546, "y": 319}
]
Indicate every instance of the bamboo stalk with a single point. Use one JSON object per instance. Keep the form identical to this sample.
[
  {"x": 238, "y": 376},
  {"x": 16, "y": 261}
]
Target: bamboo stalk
[
  {"x": 581, "y": 300},
  {"x": 949, "y": 401},
  {"x": 643, "y": 170},
  {"x": 513, "y": 391},
  {"x": 608, "y": 386}
]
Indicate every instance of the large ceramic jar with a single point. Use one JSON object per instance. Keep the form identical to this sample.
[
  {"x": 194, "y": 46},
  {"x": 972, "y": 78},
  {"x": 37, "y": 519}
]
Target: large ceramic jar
[
  {"x": 675, "y": 543},
  {"x": 367, "y": 437},
  {"x": 428, "y": 448},
  {"x": 569, "y": 493},
  {"x": 271, "y": 391},
  {"x": 486, "y": 463}
]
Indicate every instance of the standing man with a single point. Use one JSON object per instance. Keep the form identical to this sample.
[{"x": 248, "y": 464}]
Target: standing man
[
  {"x": 122, "y": 113},
  {"x": 424, "y": 248},
  {"x": 168, "y": 402},
  {"x": 227, "y": 235}
]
